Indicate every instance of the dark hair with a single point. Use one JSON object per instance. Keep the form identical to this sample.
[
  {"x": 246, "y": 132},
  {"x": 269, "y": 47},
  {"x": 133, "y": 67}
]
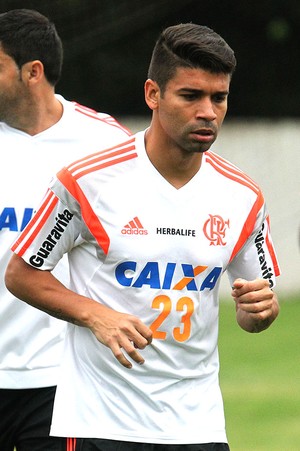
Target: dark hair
[
  {"x": 27, "y": 35},
  {"x": 189, "y": 45}
]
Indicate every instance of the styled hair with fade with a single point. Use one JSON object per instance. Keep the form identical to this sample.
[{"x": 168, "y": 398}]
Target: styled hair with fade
[
  {"x": 26, "y": 35},
  {"x": 189, "y": 45}
]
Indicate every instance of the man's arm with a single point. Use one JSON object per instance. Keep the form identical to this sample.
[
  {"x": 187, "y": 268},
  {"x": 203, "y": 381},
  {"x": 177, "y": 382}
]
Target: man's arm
[
  {"x": 114, "y": 329},
  {"x": 256, "y": 304}
]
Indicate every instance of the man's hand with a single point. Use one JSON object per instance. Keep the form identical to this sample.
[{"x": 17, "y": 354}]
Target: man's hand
[
  {"x": 256, "y": 304},
  {"x": 121, "y": 332},
  {"x": 113, "y": 329}
]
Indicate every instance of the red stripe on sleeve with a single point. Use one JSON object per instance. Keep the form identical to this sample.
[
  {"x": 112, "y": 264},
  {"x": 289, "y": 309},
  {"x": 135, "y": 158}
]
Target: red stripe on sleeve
[
  {"x": 95, "y": 115},
  {"x": 248, "y": 226},
  {"x": 272, "y": 250},
  {"x": 231, "y": 172},
  {"x": 104, "y": 164},
  {"x": 34, "y": 226},
  {"x": 103, "y": 159},
  {"x": 91, "y": 219}
]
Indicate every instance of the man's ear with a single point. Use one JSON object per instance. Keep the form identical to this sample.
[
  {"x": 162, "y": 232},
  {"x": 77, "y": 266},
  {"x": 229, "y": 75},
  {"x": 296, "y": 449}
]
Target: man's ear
[
  {"x": 152, "y": 94},
  {"x": 33, "y": 71}
]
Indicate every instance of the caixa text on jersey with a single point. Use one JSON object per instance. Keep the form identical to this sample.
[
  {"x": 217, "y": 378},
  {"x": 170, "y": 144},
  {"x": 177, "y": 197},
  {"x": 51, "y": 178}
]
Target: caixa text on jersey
[{"x": 170, "y": 276}]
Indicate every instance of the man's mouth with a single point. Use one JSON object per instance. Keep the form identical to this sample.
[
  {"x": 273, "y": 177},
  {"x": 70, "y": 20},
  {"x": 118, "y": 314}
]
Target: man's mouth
[{"x": 203, "y": 134}]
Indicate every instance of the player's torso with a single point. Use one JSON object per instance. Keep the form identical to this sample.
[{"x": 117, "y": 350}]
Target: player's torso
[{"x": 167, "y": 251}]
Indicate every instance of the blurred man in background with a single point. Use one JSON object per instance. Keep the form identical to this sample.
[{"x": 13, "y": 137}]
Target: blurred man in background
[{"x": 39, "y": 132}]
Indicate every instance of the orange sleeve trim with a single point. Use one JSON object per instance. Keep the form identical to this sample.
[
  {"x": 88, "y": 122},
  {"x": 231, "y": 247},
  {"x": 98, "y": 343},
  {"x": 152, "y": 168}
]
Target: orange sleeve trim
[
  {"x": 124, "y": 151},
  {"x": 100, "y": 163},
  {"x": 272, "y": 250},
  {"x": 248, "y": 226},
  {"x": 34, "y": 226},
  {"x": 110, "y": 120},
  {"x": 231, "y": 172},
  {"x": 90, "y": 218}
]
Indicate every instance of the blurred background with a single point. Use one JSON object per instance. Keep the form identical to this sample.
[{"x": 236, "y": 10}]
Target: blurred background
[{"x": 107, "y": 48}]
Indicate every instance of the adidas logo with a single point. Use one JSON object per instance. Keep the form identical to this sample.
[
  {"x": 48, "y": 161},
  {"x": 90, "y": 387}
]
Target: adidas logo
[{"x": 134, "y": 227}]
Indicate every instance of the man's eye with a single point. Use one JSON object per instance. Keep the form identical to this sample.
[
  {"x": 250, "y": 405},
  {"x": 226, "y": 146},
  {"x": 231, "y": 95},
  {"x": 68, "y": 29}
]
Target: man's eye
[
  {"x": 220, "y": 98},
  {"x": 189, "y": 96}
]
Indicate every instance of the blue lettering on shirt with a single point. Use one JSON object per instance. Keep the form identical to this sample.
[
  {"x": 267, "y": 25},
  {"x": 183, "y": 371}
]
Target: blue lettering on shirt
[{"x": 9, "y": 220}]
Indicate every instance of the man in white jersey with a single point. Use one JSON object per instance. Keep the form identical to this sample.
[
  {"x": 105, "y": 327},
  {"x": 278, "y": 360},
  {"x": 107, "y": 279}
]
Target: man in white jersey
[
  {"x": 149, "y": 227},
  {"x": 39, "y": 132}
]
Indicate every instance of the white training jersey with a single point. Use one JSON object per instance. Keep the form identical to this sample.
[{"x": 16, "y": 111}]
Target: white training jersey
[
  {"x": 30, "y": 340},
  {"x": 140, "y": 246}
]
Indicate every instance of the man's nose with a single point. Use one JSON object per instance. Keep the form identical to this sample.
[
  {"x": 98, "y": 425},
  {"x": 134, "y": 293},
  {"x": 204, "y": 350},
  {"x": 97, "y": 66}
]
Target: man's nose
[{"x": 205, "y": 110}]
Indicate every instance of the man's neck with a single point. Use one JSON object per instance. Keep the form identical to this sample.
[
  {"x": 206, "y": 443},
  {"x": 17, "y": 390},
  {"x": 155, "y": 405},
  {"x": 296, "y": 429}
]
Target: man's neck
[
  {"x": 175, "y": 165},
  {"x": 39, "y": 115},
  {"x": 47, "y": 114}
]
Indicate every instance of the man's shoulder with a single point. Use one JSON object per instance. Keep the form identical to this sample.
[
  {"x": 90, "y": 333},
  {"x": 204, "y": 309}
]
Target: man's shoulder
[
  {"x": 230, "y": 173},
  {"x": 81, "y": 115}
]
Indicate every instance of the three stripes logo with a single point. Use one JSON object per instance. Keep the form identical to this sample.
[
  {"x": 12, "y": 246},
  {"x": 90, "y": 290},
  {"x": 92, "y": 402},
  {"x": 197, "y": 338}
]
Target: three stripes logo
[{"x": 134, "y": 227}]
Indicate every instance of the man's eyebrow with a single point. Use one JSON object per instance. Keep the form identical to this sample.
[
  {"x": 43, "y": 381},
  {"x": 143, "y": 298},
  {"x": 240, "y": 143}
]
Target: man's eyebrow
[
  {"x": 190, "y": 89},
  {"x": 195, "y": 90}
]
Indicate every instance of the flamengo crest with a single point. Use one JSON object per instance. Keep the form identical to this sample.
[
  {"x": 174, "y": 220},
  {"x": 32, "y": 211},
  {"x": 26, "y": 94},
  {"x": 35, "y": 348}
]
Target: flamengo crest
[{"x": 214, "y": 229}]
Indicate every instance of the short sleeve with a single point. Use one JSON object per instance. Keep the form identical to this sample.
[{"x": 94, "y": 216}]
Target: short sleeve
[{"x": 257, "y": 258}]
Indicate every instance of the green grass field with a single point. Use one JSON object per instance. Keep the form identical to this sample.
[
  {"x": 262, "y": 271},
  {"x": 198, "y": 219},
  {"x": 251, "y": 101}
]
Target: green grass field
[{"x": 260, "y": 381}]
